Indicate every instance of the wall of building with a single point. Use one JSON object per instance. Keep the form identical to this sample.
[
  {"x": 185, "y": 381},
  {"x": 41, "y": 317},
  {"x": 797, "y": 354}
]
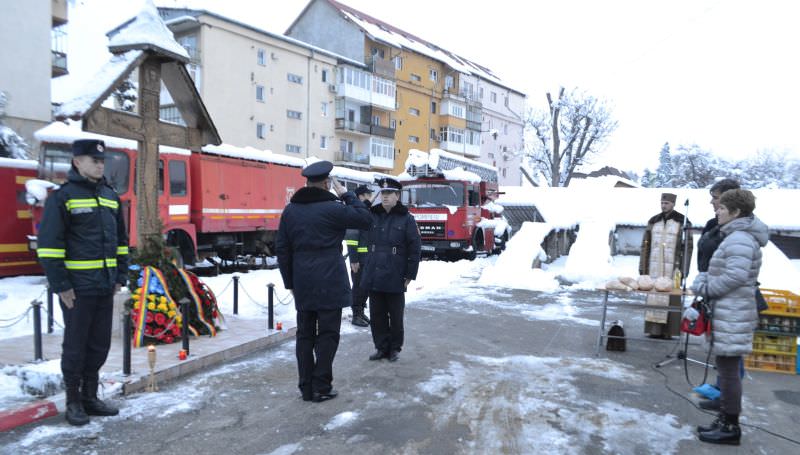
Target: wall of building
[
  {"x": 505, "y": 150},
  {"x": 26, "y": 65},
  {"x": 322, "y": 26}
]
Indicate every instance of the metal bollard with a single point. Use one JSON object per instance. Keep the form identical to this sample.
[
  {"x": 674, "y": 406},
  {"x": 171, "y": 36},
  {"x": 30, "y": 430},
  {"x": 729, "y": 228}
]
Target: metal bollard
[
  {"x": 37, "y": 330},
  {"x": 126, "y": 342},
  {"x": 185, "y": 325},
  {"x": 270, "y": 306},
  {"x": 235, "y": 294},
  {"x": 49, "y": 310}
]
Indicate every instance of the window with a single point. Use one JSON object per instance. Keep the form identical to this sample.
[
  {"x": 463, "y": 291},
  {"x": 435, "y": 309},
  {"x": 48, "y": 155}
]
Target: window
[
  {"x": 260, "y": 93},
  {"x": 413, "y": 111},
  {"x": 433, "y": 134},
  {"x": 467, "y": 89},
  {"x": 448, "y": 82},
  {"x": 376, "y": 120},
  {"x": 324, "y": 75},
  {"x": 393, "y": 124},
  {"x": 504, "y": 172},
  {"x": 294, "y": 114},
  {"x": 262, "y": 57},
  {"x": 346, "y": 146},
  {"x": 416, "y": 77},
  {"x": 414, "y": 139},
  {"x": 433, "y": 74},
  {"x": 171, "y": 114},
  {"x": 480, "y": 92},
  {"x": 433, "y": 107},
  {"x": 294, "y": 78},
  {"x": 383, "y": 86},
  {"x": 450, "y": 134},
  {"x": 260, "y": 130},
  {"x": 457, "y": 110},
  {"x": 323, "y": 142},
  {"x": 293, "y": 148},
  {"x": 324, "y": 107},
  {"x": 398, "y": 63},
  {"x": 160, "y": 176},
  {"x": 493, "y": 97},
  {"x": 505, "y": 128},
  {"x": 382, "y": 148},
  {"x": 177, "y": 178},
  {"x": 379, "y": 52}
]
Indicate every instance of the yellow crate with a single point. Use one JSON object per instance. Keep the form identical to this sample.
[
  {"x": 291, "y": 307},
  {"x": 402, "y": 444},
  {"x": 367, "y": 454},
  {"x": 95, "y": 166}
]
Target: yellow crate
[
  {"x": 771, "y": 362},
  {"x": 782, "y": 301},
  {"x": 774, "y": 343}
]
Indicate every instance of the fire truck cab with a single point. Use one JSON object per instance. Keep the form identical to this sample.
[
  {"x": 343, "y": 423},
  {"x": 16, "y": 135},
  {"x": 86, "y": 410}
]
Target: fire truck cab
[{"x": 451, "y": 199}]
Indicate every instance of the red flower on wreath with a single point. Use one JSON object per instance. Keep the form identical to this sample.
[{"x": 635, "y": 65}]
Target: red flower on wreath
[
  {"x": 149, "y": 317},
  {"x": 161, "y": 319},
  {"x": 176, "y": 330},
  {"x": 148, "y": 330},
  {"x": 168, "y": 339}
]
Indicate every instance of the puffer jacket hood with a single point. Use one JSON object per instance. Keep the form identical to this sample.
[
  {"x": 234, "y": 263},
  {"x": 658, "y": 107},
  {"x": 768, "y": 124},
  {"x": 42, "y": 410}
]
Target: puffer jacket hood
[{"x": 750, "y": 224}]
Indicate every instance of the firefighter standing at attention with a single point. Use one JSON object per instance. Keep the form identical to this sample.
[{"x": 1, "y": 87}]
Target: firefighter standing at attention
[
  {"x": 83, "y": 248},
  {"x": 358, "y": 254}
]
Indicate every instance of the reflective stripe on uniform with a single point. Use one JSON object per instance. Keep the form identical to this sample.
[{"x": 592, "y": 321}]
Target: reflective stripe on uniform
[
  {"x": 363, "y": 249},
  {"x": 91, "y": 264},
  {"x": 51, "y": 252},
  {"x": 122, "y": 250},
  {"x": 351, "y": 242},
  {"x": 108, "y": 203},
  {"x": 80, "y": 203}
]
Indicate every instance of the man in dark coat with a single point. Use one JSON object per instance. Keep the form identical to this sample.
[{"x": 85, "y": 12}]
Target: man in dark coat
[
  {"x": 394, "y": 246},
  {"x": 83, "y": 248},
  {"x": 358, "y": 254},
  {"x": 309, "y": 250}
]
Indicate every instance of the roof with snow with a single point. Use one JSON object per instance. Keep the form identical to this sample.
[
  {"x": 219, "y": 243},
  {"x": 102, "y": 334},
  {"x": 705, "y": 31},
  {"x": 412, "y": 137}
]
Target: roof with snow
[
  {"x": 568, "y": 207},
  {"x": 383, "y": 32},
  {"x": 147, "y": 32}
]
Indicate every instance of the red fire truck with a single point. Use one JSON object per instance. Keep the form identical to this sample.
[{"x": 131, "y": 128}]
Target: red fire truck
[
  {"x": 15, "y": 219},
  {"x": 223, "y": 201},
  {"x": 451, "y": 197}
]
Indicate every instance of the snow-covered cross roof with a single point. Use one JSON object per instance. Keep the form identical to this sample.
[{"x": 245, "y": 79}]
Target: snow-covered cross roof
[{"x": 148, "y": 32}]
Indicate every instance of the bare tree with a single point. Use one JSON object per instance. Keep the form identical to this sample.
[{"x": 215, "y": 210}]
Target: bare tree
[{"x": 575, "y": 126}]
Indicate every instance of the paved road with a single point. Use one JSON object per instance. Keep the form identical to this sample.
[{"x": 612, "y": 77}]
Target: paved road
[{"x": 491, "y": 371}]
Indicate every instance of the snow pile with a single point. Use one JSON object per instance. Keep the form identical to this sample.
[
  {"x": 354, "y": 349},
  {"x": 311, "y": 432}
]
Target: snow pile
[
  {"x": 514, "y": 267},
  {"x": 36, "y": 190},
  {"x": 147, "y": 30},
  {"x": 459, "y": 173},
  {"x": 777, "y": 271},
  {"x": 537, "y": 405},
  {"x": 12, "y": 145},
  {"x": 590, "y": 256},
  {"x": 38, "y": 379},
  {"x": 14, "y": 163}
]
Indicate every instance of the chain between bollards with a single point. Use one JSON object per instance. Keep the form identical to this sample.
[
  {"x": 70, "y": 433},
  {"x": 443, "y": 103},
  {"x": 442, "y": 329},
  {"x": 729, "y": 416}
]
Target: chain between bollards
[
  {"x": 37, "y": 330},
  {"x": 126, "y": 342},
  {"x": 185, "y": 324},
  {"x": 49, "y": 310},
  {"x": 235, "y": 294},
  {"x": 270, "y": 306}
]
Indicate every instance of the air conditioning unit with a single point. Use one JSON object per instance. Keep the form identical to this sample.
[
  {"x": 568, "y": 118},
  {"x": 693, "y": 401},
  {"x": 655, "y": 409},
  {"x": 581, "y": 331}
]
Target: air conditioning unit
[{"x": 332, "y": 88}]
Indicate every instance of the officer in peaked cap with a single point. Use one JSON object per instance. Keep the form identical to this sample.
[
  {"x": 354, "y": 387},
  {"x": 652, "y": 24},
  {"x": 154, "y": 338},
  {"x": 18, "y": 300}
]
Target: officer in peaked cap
[
  {"x": 358, "y": 255},
  {"x": 389, "y": 184},
  {"x": 309, "y": 250},
  {"x": 83, "y": 248}
]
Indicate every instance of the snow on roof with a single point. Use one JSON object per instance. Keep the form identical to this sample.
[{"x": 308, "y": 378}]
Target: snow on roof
[
  {"x": 252, "y": 153},
  {"x": 70, "y": 131},
  {"x": 603, "y": 181},
  {"x": 17, "y": 163},
  {"x": 148, "y": 31},
  {"x": 568, "y": 207},
  {"x": 393, "y": 36},
  {"x": 98, "y": 85}
]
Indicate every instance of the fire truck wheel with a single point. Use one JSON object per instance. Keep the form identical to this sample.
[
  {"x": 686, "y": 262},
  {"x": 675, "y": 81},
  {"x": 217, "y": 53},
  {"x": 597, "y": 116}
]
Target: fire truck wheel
[
  {"x": 477, "y": 245},
  {"x": 502, "y": 246}
]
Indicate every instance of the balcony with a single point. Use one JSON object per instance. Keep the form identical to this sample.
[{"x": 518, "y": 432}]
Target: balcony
[
  {"x": 352, "y": 126},
  {"x": 194, "y": 54},
  {"x": 377, "y": 130},
  {"x": 473, "y": 125},
  {"x": 58, "y": 61},
  {"x": 59, "y": 64},
  {"x": 59, "y": 12},
  {"x": 381, "y": 67},
  {"x": 352, "y": 158}
]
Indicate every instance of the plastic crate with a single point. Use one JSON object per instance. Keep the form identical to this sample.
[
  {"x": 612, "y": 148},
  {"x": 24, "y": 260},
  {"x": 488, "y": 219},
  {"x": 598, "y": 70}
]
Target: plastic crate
[
  {"x": 779, "y": 324},
  {"x": 774, "y": 344},
  {"x": 782, "y": 301},
  {"x": 771, "y": 362}
]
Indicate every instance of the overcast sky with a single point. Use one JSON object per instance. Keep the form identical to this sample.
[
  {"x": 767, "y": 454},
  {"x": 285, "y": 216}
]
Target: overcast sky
[{"x": 722, "y": 74}]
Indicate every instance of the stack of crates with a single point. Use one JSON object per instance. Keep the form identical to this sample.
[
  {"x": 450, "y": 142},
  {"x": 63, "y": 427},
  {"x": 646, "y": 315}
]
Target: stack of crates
[{"x": 776, "y": 338}]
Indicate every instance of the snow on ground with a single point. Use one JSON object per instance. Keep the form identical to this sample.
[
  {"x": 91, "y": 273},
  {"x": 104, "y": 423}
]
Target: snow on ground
[
  {"x": 341, "y": 420},
  {"x": 537, "y": 407}
]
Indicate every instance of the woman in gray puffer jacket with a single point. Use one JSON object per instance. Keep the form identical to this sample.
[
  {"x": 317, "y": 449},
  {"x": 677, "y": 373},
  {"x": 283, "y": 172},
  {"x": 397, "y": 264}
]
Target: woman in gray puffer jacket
[{"x": 730, "y": 286}]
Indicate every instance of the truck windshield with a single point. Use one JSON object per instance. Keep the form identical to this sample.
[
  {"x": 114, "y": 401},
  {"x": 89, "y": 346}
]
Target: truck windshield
[
  {"x": 433, "y": 195},
  {"x": 56, "y": 162}
]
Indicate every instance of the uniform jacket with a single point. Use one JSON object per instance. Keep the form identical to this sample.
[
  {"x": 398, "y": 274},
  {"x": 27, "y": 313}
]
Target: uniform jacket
[
  {"x": 730, "y": 285},
  {"x": 309, "y": 247},
  {"x": 708, "y": 243},
  {"x": 355, "y": 251},
  {"x": 394, "y": 246},
  {"x": 674, "y": 221},
  {"x": 82, "y": 239}
]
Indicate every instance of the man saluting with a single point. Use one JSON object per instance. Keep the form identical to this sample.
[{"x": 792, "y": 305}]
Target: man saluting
[{"x": 309, "y": 250}]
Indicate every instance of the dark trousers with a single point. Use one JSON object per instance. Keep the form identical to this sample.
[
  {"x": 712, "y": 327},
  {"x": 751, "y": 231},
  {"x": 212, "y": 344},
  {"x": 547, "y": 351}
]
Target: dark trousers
[
  {"x": 386, "y": 319},
  {"x": 730, "y": 383},
  {"x": 87, "y": 337},
  {"x": 316, "y": 345},
  {"x": 360, "y": 295}
]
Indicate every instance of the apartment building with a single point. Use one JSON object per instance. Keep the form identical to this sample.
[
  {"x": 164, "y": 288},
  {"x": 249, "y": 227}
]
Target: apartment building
[
  {"x": 438, "y": 100},
  {"x": 263, "y": 90},
  {"x": 30, "y": 63}
]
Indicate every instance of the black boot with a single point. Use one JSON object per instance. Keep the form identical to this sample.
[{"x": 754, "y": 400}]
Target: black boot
[
  {"x": 713, "y": 425},
  {"x": 727, "y": 433},
  {"x": 358, "y": 318},
  {"x": 75, "y": 413},
  {"x": 93, "y": 405}
]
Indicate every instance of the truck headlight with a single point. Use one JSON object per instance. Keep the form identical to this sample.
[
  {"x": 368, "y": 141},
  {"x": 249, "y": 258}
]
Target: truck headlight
[{"x": 455, "y": 244}]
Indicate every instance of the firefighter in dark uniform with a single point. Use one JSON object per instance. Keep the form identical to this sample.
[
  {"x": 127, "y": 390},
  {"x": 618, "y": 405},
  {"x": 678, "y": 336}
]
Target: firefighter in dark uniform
[
  {"x": 394, "y": 246},
  {"x": 358, "y": 254},
  {"x": 83, "y": 247},
  {"x": 309, "y": 250}
]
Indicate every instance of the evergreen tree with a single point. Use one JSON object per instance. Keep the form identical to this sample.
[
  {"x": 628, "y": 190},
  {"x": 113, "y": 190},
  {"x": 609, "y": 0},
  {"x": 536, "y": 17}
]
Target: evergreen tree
[{"x": 664, "y": 171}]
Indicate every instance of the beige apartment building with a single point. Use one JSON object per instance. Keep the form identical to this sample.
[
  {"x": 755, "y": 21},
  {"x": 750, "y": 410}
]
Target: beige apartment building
[
  {"x": 33, "y": 50},
  {"x": 263, "y": 90}
]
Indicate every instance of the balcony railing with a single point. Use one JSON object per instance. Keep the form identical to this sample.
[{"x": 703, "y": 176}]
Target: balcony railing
[
  {"x": 472, "y": 125},
  {"x": 59, "y": 63},
  {"x": 352, "y": 157},
  {"x": 349, "y": 125},
  {"x": 382, "y": 131},
  {"x": 381, "y": 67}
]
